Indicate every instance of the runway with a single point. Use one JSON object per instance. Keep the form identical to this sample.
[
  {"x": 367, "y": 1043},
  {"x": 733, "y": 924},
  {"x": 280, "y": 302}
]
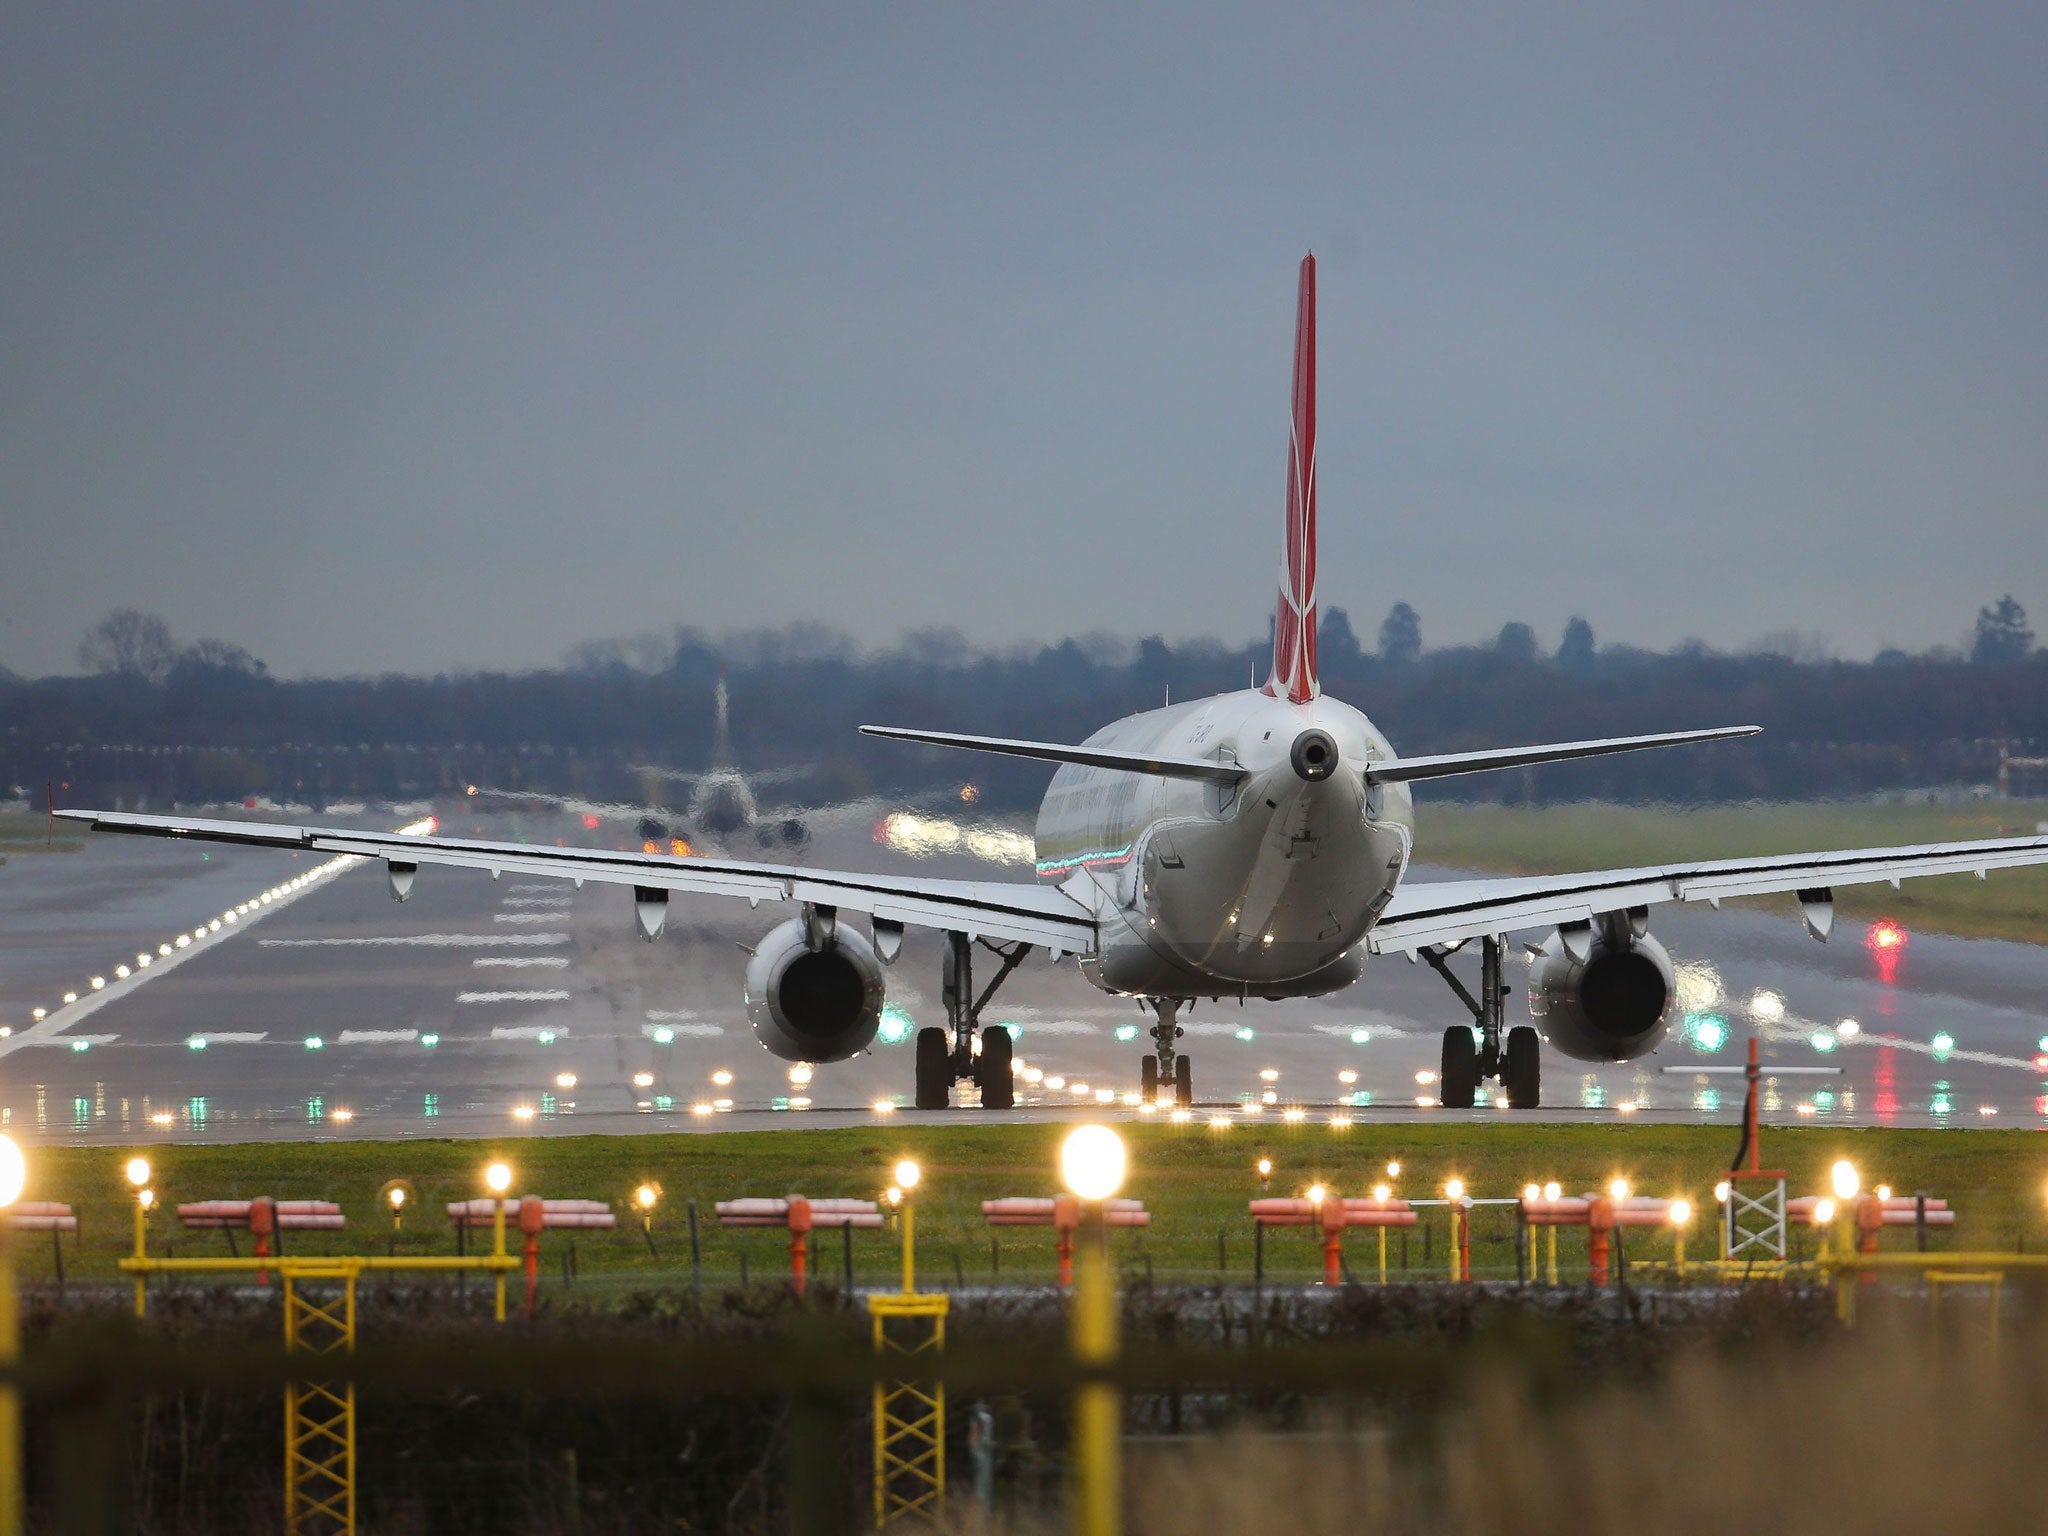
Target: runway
[{"x": 517, "y": 1007}]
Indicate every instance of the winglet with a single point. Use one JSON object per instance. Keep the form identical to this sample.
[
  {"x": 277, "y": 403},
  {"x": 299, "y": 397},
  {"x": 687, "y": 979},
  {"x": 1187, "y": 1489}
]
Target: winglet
[{"x": 1294, "y": 623}]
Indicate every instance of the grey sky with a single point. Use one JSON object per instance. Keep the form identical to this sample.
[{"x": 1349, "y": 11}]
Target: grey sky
[{"x": 435, "y": 337}]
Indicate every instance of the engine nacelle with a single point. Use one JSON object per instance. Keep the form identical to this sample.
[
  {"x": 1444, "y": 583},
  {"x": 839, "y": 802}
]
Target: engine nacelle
[
  {"x": 1604, "y": 994},
  {"x": 821, "y": 1004}
]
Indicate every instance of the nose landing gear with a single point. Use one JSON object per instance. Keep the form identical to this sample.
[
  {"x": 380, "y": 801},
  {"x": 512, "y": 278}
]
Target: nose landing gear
[
  {"x": 1166, "y": 1066},
  {"x": 1469, "y": 1059}
]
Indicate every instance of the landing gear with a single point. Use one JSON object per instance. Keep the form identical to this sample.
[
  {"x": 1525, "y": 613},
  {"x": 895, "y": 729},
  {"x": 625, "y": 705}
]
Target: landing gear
[
  {"x": 1522, "y": 1072},
  {"x": 1166, "y": 1064},
  {"x": 1458, "y": 1079},
  {"x": 947, "y": 1056},
  {"x": 1468, "y": 1061}
]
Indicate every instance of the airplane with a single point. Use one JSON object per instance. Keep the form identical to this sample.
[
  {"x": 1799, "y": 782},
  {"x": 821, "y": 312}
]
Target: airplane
[{"x": 1254, "y": 843}]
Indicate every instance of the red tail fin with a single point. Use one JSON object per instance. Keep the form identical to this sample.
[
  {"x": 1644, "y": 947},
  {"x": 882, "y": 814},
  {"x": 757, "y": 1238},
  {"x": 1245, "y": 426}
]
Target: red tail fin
[{"x": 1294, "y": 627}]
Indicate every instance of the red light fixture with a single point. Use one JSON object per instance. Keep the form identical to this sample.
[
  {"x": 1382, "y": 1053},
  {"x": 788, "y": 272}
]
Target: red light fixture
[{"x": 1885, "y": 934}]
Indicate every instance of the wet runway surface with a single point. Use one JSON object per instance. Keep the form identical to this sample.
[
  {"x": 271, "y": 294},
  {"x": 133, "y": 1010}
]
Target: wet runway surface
[{"x": 521, "y": 1006}]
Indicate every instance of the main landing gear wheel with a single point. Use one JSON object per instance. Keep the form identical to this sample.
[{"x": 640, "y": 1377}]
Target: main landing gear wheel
[
  {"x": 1522, "y": 1072},
  {"x": 934, "y": 1069},
  {"x": 992, "y": 1069},
  {"x": 1458, "y": 1082},
  {"x": 1183, "y": 1082},
  {"x": 1148, "y": 1080}
]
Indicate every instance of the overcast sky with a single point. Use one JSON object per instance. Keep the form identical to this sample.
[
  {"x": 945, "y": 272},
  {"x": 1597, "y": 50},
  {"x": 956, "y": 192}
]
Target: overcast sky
[{"x": 430, "y": 337}]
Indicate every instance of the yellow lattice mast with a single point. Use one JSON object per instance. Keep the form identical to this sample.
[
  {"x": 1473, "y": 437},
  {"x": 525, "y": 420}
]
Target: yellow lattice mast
[{"x": 910, "y": 1415}]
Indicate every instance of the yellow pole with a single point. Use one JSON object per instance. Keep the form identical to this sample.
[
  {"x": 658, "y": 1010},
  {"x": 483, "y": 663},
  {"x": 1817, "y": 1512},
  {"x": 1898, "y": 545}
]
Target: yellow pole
[
  {"x": 1098, "y": 1406},
  {"x": 1553, "y": 1255},
  {"x": 141, "y": 1253},
  {"x": 1383, "y": 1255},
  {"x": 12, "y": 1518},
  {"x": 1456, "y": 1272},
  {"x": 1842, "y": 1239},
  {"x": 909, "y": 1246},
  {"x": 498, "y": 1248},
  {"x": 1678, "y": 1251}
]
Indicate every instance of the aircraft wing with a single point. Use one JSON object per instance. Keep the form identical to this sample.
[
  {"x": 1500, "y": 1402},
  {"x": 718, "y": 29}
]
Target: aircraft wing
[
  {"x": 1005, "y": 910},
  {"x": 1450, "y": 911}
]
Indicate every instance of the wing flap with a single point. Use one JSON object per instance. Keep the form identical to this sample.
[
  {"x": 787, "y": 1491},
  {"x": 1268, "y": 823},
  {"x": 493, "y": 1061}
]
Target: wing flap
[
  {"x": 1012, "y": 912},
  {"x": 1446, "y": 911}
]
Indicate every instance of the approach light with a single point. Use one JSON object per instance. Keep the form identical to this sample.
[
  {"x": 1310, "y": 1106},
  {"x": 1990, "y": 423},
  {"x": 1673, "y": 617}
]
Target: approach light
[
  {"x": 565, "y": 1080},
  {"x": 1317, "y": 1194},
  {"x": 1381, "y": 1193},
  {"x": 397, "y": 1197},
  {"x": 1681, "y": 1212},
  {"x": 1531, "y": 1194},
  {"x": 1265, "y": 1167},
  {"x": 1848, "y": 1029},
  {"x": 906, "y": 1174},
  {"x": 1394, "y": 1170},
  {"x": 1553, "y": 1190},
  {"x": 498, "y": 1178},
  {"x": 643, "y": 1079},
  {"x": 1721, "y": 1192},
  {"x": 137, "y": 1171},
  {"x": 1092, "y": 1161},
  {"x": 645, "y": 1196},
  {"x": 1883, "y": 1193},
  {"x": 146, "y": 1199},
  {"x": 883, "y": 1106},
  {"x": 1618, "y": 1189},
  {"x": 1844, "y": 1179},
  {"x": 1885, "y": 934},
  {"x": 1767, "y": 1007},
  {"x": 893, "y": 1195},
  {"x": 1454, "y": 1189},
  {"x": 722, "y": 1078},
  {"x": 1823, "y": 1211}
]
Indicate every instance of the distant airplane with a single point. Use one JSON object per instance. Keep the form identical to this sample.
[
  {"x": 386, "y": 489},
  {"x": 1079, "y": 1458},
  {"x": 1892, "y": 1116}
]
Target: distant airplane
[{"x": 1252, "y": 844}]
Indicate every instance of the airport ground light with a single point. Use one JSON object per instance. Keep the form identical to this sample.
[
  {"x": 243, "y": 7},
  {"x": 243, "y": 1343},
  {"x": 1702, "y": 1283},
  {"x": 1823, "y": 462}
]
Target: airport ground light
[{"x": 1093, "y": 1163}]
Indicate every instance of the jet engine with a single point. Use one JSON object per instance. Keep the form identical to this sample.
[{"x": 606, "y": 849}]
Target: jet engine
[
  {"x": 814, "y": 990},
  {"x": 1601, "y": 992}
]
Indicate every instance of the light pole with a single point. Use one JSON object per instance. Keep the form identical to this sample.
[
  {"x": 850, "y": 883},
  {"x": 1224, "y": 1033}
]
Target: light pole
[
  {"x": 498, "y": 1179},
  {"x": 906, "y": 1174},
  {"x": 644, "y": 1198},
  {"x": 137, "y": 1171},
  {"x": 13, "y": 1175},
  {"x": 1092, "y": 1164}
]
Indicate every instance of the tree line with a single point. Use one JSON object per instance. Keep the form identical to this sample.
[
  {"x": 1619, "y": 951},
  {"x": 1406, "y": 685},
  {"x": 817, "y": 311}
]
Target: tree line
[{"x": 155, "y": 721}]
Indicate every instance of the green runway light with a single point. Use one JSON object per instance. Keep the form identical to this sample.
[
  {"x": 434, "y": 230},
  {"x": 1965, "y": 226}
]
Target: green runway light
[
  {"x": 666, "y": 1036},
  {"x": 1246, "y": 1034},
  {"x": 547, "y": 1037},
  {"x": 1824, "y": 1040},
  {"x": 81, "y": 1045},
  {"x": 196, "y": 1043},
  {"x": 1127, "y": 1031},
  {"x": 1942, "y": 1044},
  {"x": 430, "y": 1041},
  {"x": 895, "y": 1028},
  {"x": 1361, "y": 1037},
  {"x": 315, "y": 1043}
]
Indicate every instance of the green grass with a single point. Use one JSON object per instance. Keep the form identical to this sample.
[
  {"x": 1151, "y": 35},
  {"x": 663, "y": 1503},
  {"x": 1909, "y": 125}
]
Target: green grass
[
  {"x": 1194, "y": 1181},
  {"x": 31, "y": 834},
  {"x": 2011, "y": 904}
]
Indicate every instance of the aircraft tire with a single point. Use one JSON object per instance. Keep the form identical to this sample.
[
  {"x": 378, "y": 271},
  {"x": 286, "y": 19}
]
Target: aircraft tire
[
  {"x": 934, "y": 1069},
  {"x": 1458, "y": 1083},
  {"x": 992, "y": 1069},
  {"x": 1522, "y": 1072},
  {"x": 1148, "y": 1079},
  {"x": 1183, "y": 1082}
]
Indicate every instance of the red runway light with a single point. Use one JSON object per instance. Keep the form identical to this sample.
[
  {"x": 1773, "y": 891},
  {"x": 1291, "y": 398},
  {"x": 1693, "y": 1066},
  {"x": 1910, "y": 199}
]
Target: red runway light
[
  {"x": 1885, "y": 934},
  {"x": 590, "y": 821}
]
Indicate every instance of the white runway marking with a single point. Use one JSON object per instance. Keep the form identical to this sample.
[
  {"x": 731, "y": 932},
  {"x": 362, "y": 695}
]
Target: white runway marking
[
  {"x": 524, "y": 962},
  {"x": 523, "y": 1032},
  {"x": 538, "y": 901},
  {"x": 232, "y": 1037},
  {"x": 669, "y": 1015},
  {"x": 1061, "y": 1027},
  {"x": 74, "y": 1042},
  {"x": 424, "y": 941},
  {"x": 374, "y": 1036},
  {"x": 512, "y": 997},
  {"x": 535, "y": 885},
  {"x": 526, "y": 917}
]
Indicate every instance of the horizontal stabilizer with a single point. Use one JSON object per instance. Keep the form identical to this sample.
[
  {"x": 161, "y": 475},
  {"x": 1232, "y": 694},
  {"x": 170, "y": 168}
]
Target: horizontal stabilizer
[
  {"x": 1056, "y": 752},
  {"x": 1399, "y": 770}
]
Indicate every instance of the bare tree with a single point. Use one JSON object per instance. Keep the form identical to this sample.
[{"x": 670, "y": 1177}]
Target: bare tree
[{"x": 129, "y": 643}]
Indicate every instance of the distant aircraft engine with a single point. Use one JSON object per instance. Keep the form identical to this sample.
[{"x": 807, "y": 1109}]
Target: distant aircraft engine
[
  {"x": 1602, "y": 993},
  {"x": 814, "y": 991}
]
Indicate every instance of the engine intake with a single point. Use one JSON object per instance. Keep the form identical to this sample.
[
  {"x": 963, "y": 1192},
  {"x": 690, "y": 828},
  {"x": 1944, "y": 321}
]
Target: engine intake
[
  {"x": 1603, "y": 1000},
  {"x": 814, "y": 1004}
]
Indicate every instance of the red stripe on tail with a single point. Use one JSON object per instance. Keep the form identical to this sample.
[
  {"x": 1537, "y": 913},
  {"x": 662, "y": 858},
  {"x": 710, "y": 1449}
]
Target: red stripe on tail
[{"x": 1294, "y": 627}]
